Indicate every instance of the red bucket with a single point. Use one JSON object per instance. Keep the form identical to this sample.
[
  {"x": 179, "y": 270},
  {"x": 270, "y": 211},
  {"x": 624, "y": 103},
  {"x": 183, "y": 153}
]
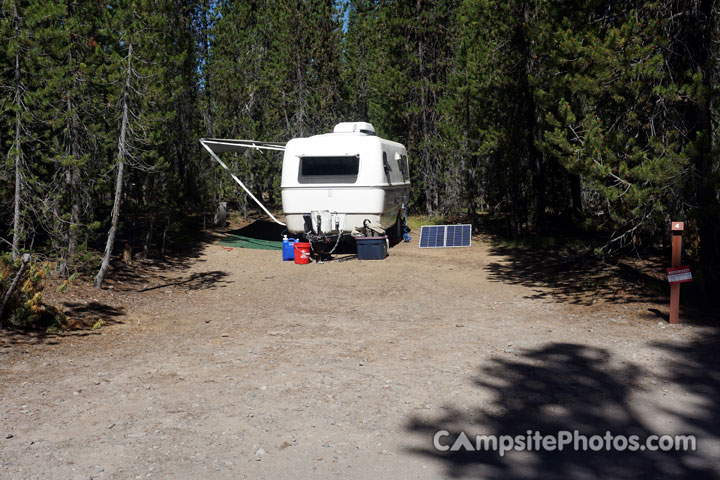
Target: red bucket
[{"x": 302, "y": 253}]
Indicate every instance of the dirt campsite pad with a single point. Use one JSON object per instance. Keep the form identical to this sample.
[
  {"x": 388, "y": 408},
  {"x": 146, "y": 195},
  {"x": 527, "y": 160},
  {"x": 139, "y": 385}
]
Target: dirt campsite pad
[{"x": 234, "y": 364}]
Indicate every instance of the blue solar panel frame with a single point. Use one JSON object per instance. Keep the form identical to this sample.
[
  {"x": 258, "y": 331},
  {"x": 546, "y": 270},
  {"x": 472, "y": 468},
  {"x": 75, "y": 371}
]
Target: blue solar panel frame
[{"x": 445, "y": 236}]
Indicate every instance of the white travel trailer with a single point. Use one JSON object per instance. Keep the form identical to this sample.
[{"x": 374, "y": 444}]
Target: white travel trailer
[{"x": 335, "y": 182}]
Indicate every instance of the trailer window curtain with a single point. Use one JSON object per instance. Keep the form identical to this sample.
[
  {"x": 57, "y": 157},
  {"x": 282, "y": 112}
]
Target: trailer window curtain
[{"x": 329, "y": 169}]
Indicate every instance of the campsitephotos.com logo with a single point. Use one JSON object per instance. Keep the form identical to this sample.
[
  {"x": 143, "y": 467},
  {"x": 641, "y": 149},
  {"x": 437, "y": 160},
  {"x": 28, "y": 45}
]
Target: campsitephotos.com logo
[{"x": 573, "y": 440}]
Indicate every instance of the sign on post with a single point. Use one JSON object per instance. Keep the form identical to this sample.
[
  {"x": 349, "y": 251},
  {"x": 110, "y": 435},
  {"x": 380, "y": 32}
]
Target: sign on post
[{"x": 679, "y": 274}]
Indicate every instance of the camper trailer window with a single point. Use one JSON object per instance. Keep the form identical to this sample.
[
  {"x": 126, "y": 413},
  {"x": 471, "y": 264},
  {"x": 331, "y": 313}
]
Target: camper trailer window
[
  {"x": 329, "y": 169},
  {"x": 404, "y": 167}
]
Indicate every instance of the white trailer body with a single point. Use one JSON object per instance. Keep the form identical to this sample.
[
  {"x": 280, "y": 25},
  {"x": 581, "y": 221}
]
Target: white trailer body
[{"x": 351, "y": 175}]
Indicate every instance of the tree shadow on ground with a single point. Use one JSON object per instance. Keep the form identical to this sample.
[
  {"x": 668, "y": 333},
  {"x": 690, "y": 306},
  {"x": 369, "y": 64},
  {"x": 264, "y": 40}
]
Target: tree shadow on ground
[
  {"x": 695, "y": 366},
  {"x": 559, "y": 387},
  {"x": 12, "y": 341},
  {"x": 196, "y": 281},
  {"x": 87, "y": 314},
  {"x": 183, "y": 250},
  {"x": 81, "y": 317},
  {"x": 583, "y": 279},
  {"x": 129, "y": 276},
  {"x": 578, "y": 279}
]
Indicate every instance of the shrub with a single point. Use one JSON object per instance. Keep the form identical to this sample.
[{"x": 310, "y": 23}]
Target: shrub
[{"x": 24, "y": 308}]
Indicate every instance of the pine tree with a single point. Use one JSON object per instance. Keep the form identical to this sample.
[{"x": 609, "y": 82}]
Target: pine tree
[
  {"x": 274, "y": 67},
  {"x": 357, "y": 58},
  {"x": 136, "y": 73},
  {"x": 485, "y": 143},
  {"x": 609, "y": 116},
  {"x": 233, "y": 67},
  {"x": 691, "y": 30},
  {"x": 183, "y": 179},
  {"x": 402, "y": 65},
  {"x": 70, "y": 115},
  {"x": 14, "y": 88}
]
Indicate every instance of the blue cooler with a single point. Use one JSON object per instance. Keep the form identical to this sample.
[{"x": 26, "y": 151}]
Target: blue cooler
[
  {"x": 371, "y": 248},
  {"x": 288, "y": 249}
]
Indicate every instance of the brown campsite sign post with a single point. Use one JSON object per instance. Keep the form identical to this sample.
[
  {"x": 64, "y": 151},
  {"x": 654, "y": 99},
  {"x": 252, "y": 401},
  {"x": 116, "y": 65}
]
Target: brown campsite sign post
[{"x": 677, "y": 274}]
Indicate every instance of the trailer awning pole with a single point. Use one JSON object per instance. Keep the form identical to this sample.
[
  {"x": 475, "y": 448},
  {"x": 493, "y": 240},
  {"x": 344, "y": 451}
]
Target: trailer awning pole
[{"x": 222, "y": 164}]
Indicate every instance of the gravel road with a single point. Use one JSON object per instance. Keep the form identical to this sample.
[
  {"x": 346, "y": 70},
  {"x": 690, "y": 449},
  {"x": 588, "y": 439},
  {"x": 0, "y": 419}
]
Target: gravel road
[{"x": 239, "y": 365}]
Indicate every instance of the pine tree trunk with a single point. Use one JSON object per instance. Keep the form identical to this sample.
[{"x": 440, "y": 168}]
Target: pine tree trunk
[
  {"x": 18, "y": 157},
  {"x": 427, "y": 162},
  {"x": 708, "y": 67},
  {"x": 712, "y": 233},
  {"x": 204, "y": 34},
  {"x": 534, "y": 118},
  {"x": 120, "y": 171},
  {"x": 71, "y": 179},
  {"x": 576, "y": 194},
  {"x": 148, "y": 236},
  {"x": 300, "y": 114}
]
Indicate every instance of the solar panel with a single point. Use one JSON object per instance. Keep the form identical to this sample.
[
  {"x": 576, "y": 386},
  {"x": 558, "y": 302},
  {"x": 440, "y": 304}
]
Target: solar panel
[
  {"x": 442, "y": 236},
  {"x": 458, "y": 236},
  {"x": 432, "y": 236}
]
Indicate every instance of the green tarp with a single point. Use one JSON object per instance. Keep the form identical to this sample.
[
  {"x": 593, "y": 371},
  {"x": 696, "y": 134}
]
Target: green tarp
[{"x": 239, "y": 241}]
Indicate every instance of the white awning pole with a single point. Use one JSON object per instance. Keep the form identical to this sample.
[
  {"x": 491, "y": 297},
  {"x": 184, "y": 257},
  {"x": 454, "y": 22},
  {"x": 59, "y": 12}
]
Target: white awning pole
[
  {"x": 217, "y": 159},
  {"x": 245, "y": 144}
]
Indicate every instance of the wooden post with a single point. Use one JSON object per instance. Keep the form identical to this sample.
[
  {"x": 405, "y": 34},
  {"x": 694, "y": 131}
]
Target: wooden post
[{"x": 677, "y": 229}]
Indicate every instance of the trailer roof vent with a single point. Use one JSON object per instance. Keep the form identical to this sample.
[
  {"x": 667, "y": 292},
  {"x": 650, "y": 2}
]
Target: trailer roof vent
[{"x": 354, "y": 127}]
